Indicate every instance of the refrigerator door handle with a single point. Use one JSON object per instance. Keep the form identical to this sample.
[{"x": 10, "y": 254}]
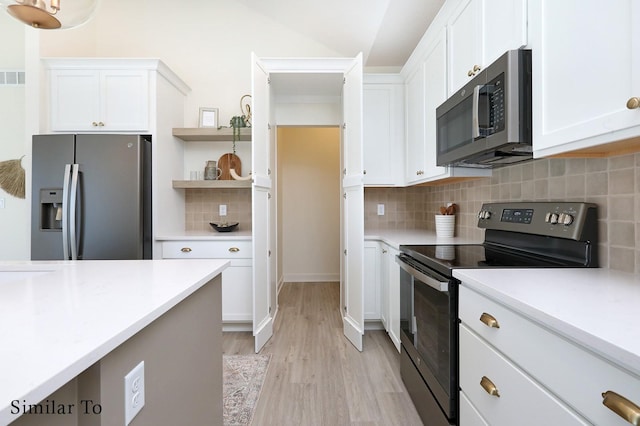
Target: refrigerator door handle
[
  {"x": 73, "y": 210},
  {"x": 65, "y": 212}
]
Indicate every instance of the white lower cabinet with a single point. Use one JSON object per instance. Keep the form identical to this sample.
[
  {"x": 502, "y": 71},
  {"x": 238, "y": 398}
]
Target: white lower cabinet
[
  {"x": 390, "y": 285},
  {"x": 541, "y": 377},
  {"x": 382, "y": 288},
  {"x": 237, "y": 279},
  {"x": 372, "y": 281}
]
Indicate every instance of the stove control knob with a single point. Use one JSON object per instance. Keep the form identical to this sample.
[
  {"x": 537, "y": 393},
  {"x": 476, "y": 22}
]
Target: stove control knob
[
  {"x": 547, "y": 217},
  {"x": 480, "y": 214},
  {"x": 487, "y": 214},
  {"x": 567, "y": 219},
  {"x": 554, "y": 218}
]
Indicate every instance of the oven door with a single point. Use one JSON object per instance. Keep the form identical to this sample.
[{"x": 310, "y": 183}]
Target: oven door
[{"x": 429, "y": 329}]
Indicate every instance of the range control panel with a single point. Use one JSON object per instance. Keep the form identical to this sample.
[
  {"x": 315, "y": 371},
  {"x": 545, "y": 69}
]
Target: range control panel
[{"x": 572, "y": 220}]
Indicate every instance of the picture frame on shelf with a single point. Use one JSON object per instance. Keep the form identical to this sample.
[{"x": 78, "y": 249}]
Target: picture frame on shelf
[{"x": 208, "y": 117}]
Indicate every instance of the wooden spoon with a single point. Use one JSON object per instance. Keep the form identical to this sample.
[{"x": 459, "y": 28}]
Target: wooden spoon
[{"x": 443, "y": 210}]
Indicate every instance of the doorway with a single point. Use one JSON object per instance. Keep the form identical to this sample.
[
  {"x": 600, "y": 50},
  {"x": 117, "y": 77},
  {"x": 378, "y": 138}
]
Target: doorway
[{"x": 308, "y": 209}]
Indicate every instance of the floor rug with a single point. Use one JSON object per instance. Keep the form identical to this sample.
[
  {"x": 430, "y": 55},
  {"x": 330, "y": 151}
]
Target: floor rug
[{"x": 243, "y": 376}]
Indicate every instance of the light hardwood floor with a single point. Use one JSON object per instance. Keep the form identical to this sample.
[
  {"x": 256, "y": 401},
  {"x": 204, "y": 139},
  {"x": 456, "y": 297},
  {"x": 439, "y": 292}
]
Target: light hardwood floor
[{"x": 316, "y": 377}]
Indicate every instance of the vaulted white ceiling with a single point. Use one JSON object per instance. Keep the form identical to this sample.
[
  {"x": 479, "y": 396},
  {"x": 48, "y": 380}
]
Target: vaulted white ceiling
[{"x": 385, "y": 31}]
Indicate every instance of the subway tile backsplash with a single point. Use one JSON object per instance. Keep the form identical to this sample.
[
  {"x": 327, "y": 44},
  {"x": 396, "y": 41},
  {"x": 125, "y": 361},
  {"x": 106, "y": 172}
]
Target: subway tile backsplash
[{"x": 611, "y": 183}]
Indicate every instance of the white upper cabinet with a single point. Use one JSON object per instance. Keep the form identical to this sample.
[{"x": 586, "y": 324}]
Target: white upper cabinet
[
  {"x": 426, "y": 88},
  {"x": 99, "y": 100},
  {"x": 586, "y": 68},
  {"x": 464, "y": 32},
  {"x": 478, "y": 32},
  {"x": 383, "y": 129},
  {"x": 415, "y": 125}
]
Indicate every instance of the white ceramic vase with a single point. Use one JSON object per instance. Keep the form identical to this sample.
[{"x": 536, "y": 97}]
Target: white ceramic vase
[{"x": 445, "y": 225}]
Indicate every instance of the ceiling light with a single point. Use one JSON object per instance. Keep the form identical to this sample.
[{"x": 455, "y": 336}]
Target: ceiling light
[{"x": 50, "y": 14}]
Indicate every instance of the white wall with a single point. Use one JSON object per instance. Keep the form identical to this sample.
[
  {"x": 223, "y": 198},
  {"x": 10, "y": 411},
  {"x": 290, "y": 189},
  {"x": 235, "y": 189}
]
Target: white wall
[
  {"x": 309, "y": 202},
  {"x": 14, "y": 218}
]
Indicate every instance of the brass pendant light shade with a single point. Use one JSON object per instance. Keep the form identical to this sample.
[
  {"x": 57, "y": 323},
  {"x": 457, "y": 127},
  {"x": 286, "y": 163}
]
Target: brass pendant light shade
[
  {"x": 34, "y": 16},
  {"x": 51, "y": 14}
]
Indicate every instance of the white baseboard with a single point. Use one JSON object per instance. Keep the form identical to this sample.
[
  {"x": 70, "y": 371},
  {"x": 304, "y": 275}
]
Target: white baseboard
[
  {"x": 236, "y": 326},
  {"x": 373, "y": 325},
  {"x": 311, "y": 278}
]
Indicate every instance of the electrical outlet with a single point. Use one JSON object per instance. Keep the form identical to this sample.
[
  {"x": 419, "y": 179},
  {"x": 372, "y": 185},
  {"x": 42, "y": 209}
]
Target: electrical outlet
[
  {"x": 380, "y": 209},
  {"x": 222, "y": 210},
  {"x": 133, "y": 392}
]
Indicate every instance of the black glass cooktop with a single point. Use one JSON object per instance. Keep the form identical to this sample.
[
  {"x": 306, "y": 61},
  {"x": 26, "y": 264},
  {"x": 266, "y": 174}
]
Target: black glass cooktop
[{"x": 444, "y": 258}]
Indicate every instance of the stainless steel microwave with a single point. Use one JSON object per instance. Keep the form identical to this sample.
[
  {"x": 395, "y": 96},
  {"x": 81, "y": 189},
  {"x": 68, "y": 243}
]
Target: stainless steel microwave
[{"x": 487, "y": 123}]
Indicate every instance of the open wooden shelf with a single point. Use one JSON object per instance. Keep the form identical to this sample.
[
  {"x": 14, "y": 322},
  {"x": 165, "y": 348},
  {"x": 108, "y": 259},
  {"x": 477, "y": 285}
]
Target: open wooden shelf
[
  {"x": 214, "y": 184},
  {"x": 210, "y": 134}
]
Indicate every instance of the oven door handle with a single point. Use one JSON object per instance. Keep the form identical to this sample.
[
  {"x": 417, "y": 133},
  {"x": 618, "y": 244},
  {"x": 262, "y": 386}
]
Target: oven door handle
[{"x": 432, "y": 282}]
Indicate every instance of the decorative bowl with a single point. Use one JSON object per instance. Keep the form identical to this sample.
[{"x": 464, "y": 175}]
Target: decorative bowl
[{"x": 224, "y": 226}]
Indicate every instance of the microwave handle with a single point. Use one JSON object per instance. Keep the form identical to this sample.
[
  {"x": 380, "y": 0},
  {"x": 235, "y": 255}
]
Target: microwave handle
[{"x": 475, "y": 120}]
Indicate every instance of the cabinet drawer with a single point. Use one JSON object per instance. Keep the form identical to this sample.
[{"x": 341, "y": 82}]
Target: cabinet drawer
[
  {"x": 521, "y": 400},
  {"x": 577, "y": 375},
  {"x": 206, "y": 249},
  {"x": 469, "y": 416}
]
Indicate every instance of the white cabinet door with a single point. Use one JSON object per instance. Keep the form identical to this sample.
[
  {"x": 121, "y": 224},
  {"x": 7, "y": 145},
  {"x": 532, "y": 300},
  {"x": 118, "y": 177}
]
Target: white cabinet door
[
  {"x": 504, "y": 27},
  {"x": 74, "y": 100},
  {"x": 584, "y": 78},
  {"x": 99, "y": 100},
  {"x": 384, "y": 286},
  {"x": 372, "y": 267},
  {"x": 415, "y": 125},
  {"x": 237, "y": 300},
  {"x": 435, "y": 74},
  {"x": 393, "y": 295},
  {"x": 383, "y": 131},
  {"x": 124, "y": 100},
  {"x": 479, "y": 32},
  {"x": 464, "y": 34}
]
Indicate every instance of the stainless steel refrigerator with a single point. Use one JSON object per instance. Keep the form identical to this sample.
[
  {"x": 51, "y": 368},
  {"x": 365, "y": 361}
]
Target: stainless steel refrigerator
[{"x": 91, "y": 197}]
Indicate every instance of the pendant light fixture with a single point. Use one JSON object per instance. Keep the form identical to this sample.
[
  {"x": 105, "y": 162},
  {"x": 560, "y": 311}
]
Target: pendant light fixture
[{"x": 51, "y": 14}]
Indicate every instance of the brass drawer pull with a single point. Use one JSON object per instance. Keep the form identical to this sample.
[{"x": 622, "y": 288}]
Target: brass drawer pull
[
  {"x": 633, "y": 103},
  {"x": 186, "y": 249},
  {"x": 489, "y": 387},
  {"x": 622, "y": 407},
  {"x": 489, "y": 320},
  {"x": 234, "y": 249}
]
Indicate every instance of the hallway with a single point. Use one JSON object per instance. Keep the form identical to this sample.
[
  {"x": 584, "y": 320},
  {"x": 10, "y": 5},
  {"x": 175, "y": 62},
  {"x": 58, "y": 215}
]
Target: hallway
[{"x": 316, "y": 377}]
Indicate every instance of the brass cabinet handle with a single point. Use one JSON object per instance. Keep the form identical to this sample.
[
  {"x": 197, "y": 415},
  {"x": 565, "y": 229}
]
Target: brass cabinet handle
[
  {"x": 100, "y": 123},
  {"x": 489, "y": 320},
  {"x": 186, "y": 249},
  {"x": 622, "y": 407},
  {"x": 234, "y": 249},
  {"x": 633, "y": 103},
  {"x": 470, "y": 73},
  {"x": 94, "y": 124},
  {"x": 477, "y": 68},
  {"x": 489, "y": 387}
]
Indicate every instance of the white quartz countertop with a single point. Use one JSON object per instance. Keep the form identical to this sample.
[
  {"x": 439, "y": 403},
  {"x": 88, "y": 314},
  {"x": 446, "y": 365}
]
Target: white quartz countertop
[
  {"x": 212, "y": 235},
  {"x": 597, "y": 308},
  {"x": 58, "y": 318},
  {"x": 395, "y": 238}
]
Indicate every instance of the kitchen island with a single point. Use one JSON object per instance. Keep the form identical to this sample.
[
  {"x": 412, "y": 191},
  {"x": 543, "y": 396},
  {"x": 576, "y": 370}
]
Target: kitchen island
[{"x": 71, "y": 331}]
